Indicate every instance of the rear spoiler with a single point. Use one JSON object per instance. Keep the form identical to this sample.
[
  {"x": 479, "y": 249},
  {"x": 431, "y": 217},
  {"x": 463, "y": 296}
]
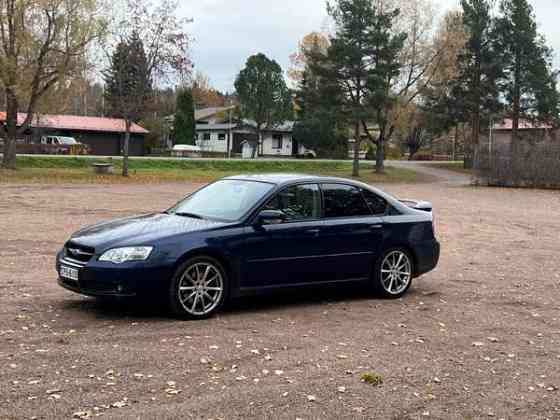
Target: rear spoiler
[{"x": 418, "y": 205}]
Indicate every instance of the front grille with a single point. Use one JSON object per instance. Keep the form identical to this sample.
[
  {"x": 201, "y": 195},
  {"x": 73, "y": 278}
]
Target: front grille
[{"x": 78, "y": 253}]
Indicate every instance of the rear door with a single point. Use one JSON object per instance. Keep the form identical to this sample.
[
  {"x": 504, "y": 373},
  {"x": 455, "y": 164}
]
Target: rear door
[
  {"x": 287, "y": 253},
  {"x": 353, "y": 233}
]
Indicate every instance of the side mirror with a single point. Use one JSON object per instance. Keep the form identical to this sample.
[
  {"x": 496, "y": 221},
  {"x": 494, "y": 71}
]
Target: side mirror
[{"x": 271, "y": 217}]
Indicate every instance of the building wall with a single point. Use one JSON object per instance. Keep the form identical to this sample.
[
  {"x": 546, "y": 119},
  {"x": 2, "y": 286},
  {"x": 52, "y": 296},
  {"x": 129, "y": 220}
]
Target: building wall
[
  {"x": 214, "y": 144},
  {"x": 268, "y": 148},
  {"x": 101, "y": 144}
]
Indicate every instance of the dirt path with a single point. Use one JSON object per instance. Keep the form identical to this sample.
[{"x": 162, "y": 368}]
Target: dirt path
[
  {"x": 478, "y": 338},
  {"x": 440, "y": 175}
]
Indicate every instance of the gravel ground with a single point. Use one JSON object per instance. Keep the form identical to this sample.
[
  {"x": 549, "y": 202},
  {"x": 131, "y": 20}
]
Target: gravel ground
[{"x": 477, "y": 338}]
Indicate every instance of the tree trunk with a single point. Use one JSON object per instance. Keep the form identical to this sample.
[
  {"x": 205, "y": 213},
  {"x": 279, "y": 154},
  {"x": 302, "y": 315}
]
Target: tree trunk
[
  {"x": 258, "y": 144},
  {"x": 9, "y": 158},
  {"x": 126, "y": 145},
  {"x": 380, "y": 155},
  {"x": 356, "y": 161},
  {"x": 516, "y": 98},
  {"x": 454, "y": 147}
]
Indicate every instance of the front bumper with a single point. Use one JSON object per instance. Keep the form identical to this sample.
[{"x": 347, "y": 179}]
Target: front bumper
[{"x": 104, "y": 279}]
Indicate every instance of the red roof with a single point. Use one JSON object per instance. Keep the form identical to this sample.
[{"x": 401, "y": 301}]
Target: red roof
[
  {"x": 74, "y": 122},
  {"x": 507, "y": 124}
]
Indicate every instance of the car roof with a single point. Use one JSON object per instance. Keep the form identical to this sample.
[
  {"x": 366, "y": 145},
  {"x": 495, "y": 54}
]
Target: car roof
[{"x": 291, "y": 178}]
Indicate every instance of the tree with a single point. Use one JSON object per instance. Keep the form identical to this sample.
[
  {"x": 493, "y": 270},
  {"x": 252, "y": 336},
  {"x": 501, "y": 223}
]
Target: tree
[
  {"x": 263, "y": 94},
  {"x": 418, "y": 61},
  {"x": 314, "y": 42},
  {"x": 165, "y": 48},
  {"x": 128, "y": 86},
  {"x": 43, "y": 43},
  {"x": 184, "y": 125},
  {"x": 362, "y": 56},
  {"x": 479, "y": 68},
  {"x": 204, "y": 95},
  {"x": 528, "y": 83},
  {"x": 320, "y": 126}
]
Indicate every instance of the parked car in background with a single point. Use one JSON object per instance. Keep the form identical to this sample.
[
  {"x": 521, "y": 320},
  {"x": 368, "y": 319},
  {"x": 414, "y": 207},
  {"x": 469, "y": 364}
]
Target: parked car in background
[
  {"x": 61, "y": 145},
  {"x": 252, "y": 234},
  {"x": 186, "y": 151}
]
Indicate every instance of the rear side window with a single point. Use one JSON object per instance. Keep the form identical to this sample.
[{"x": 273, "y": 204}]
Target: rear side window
[
  {"x": 377, "y": 204},
  {"x": 344, "y": 201}
]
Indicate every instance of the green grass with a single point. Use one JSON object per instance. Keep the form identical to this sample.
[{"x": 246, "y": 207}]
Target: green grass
[{"x": 42, "y": 169}]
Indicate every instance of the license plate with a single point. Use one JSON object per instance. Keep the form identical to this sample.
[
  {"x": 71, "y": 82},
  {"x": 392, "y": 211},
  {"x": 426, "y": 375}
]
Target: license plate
[{"x": 68, "y": 273}]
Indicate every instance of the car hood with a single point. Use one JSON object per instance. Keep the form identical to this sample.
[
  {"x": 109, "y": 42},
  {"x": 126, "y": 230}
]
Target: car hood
[{"x": 140, "y": 230}]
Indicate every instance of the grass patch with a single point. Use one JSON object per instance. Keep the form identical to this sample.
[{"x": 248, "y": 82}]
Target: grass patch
[
  {"x": 372, "y": 378},
  {"x": 44, "y": 169}
]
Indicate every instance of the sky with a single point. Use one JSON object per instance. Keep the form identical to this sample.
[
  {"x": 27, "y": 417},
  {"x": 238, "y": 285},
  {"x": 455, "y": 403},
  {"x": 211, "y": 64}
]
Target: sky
[{"x": 227, "y": 32}]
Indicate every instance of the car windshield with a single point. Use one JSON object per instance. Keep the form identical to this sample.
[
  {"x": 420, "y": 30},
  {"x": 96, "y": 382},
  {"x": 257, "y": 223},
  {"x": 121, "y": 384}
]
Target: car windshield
[
  {"x": 225, "y": 200},
  {"x": 67, "y": 140}
]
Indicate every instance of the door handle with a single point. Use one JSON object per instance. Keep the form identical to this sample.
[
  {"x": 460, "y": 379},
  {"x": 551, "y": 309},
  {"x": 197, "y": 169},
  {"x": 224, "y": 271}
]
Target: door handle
[
  {"x": 376, "y": 227},
  {"x": 313, "y": 231}
]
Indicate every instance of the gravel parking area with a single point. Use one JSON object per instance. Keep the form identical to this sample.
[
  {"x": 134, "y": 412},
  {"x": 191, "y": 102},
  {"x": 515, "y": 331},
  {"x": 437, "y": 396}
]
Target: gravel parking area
[{"x": 478, "y": 338}]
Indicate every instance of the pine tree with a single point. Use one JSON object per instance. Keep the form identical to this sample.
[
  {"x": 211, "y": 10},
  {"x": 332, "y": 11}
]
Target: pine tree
[
  {"x": 479, "y": 68},
  {"x": 184, "y": 125},
  {"x": 363, "y": 55},
  {"x": 528, "y": 83},
  {"x": 128, "y": 86}
]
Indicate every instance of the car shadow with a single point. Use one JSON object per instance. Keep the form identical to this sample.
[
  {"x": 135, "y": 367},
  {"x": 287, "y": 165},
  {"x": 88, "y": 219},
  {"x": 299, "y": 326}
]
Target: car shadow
[{"x": 157, "y": 309}]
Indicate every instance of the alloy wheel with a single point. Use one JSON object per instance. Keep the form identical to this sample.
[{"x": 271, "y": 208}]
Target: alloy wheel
[
  {"x": 201, "y": 288},
  {"x": 396, "y": 272}
]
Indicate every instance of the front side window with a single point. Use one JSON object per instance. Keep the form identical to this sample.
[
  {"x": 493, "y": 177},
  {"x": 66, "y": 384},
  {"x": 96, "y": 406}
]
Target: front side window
[
  {"x": 377, "y": 204},
  {"x": 225, "y": 200},
  {"x": 298, "y": 203},
  {"x": 277, "y": 141},
  {"x": 344, "y": 201}
]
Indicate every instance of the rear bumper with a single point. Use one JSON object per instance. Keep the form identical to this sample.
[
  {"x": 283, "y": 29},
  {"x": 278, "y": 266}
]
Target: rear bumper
[{"x": 427, "y": 257}]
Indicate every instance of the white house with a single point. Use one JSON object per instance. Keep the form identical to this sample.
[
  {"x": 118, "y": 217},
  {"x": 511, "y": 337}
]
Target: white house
[{"x": 216, "y": 134}]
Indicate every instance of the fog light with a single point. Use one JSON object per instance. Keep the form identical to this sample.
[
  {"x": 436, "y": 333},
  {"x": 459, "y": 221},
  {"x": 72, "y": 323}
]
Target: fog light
[{"x": 120, "y": 289}]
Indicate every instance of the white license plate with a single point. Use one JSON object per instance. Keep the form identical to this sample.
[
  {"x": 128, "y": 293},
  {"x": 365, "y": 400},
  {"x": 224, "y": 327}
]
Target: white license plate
[{"x": 68, "y": 273}]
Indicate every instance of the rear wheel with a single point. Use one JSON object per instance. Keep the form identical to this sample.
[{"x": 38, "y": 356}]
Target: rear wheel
[
  {"x": 393, "y": 273},
  {"x": 199, "y": 288}
]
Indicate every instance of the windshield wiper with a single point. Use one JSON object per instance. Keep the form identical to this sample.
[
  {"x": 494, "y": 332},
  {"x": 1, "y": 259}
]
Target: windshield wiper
[{"x": 191, "y": 215}]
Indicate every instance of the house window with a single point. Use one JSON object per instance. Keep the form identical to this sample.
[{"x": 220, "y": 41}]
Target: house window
[
  {"x": 222, "y": 136},
  {"x": 206, "y": 136},
  {"x": 277, "y": 141}
]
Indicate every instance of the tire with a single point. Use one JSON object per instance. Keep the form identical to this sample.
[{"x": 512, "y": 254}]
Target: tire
[
  {"x": 393, "y": 273},
  {"x": 199, "y": 288}
]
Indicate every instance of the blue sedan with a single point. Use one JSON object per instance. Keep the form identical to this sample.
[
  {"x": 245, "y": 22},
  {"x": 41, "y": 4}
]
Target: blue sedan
[{"x": 250, "y": 234}]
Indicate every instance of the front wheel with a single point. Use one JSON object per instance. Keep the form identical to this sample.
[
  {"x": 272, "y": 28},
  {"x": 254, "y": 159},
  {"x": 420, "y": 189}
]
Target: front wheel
[
  {"x": 198, "y": 289},
  {"x": 393, "y": 273}
]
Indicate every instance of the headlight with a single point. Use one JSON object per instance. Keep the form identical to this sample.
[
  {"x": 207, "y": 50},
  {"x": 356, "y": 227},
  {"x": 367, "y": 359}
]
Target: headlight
[{"x": 121, "y": 255}]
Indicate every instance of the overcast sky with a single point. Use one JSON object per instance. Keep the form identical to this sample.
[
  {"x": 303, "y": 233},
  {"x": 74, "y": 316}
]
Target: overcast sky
[{"x": 226, "y": 32}]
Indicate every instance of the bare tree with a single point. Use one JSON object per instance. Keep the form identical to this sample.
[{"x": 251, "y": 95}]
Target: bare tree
[
  {"x": 165, "y": 46},
  {"x": 419, "y": 60},
  {"x": 42, "y": 44}
]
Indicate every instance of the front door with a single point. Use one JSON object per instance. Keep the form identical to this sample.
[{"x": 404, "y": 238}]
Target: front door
[{"x": 287, "y": 253}]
